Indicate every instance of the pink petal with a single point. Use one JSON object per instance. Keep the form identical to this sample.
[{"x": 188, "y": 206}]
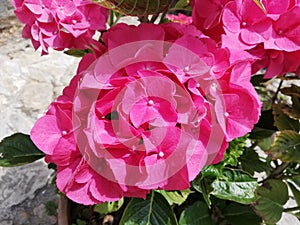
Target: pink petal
[{"x": 45, "y": 133}]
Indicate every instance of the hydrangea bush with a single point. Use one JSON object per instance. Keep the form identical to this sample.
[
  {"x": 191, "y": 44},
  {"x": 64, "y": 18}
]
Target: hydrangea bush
[{"x": 170, "y": 121}]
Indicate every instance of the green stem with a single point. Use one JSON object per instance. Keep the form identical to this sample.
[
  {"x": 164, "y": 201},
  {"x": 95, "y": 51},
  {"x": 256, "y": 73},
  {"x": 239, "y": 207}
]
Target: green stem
[
  {"x": 91, "y": 212},
  {"x": 111, "y": 18},
  {"x": 277, "y": 91},
  {"x": 118, "y": 15},
  {"x": 292, "y": 209},
  {"x": 163, "y": 16},
  {"x": 278, "y": 170},
  {"x": 290, "y": 177},
  {"x": 179, "y": 9},
  {"x": 150, "y": 210},
  {"x": 153, "y": 18}
]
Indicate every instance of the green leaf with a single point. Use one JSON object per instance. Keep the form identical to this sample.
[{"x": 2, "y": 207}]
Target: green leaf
[
  {"x": 296, "y": 181},
  {"x": 109, "y": 207},
  {"x": 250, "y": 162},
  {"x": 296, "y": 193},
  {"x": 286, "y": 146},
  {"x": 213, "y": 171},
  {"x": 196, "y": 214},
  {"x": 294, "y": 111},
  {"x": 283, "y": 121},
  {"x": 79, "y": 222},
  {"x": 271, "y": 198},
  {"x": 234, "y": 151},
  {"x": 239, "y": 187},
  {"x": 77, "y": 52},
  {"x": 265, "y": 127},
  {"x": 135, "y": 7},
  {"x": 265, "y": 97},
  {"x": 261, "y": 133},
  {"x": 265, "y": 143},
  {"x": 258, "y": 80},
  {"x": 234, "y": 213},
  {"x": 297, "y": 214},
  {"x": 182, "y": 4},
  {"x": 266, "y": 121},
  {"x": 17, "y": 150},
  {"x": 51, "y": 207},
  {"x": 294, "y": 90},
  {"x": 155, "y": 210},
  {"x": 175, "y": 197},
  {"x": 202, "y": 184}
]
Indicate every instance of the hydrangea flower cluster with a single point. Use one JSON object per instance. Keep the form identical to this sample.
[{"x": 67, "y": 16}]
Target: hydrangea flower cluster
[
  {"x": 155, "y": 103},
  {"x": 269, "y": 32},
  {"x": 147, "y": 112},
  {"x": 60, "y": 24}
]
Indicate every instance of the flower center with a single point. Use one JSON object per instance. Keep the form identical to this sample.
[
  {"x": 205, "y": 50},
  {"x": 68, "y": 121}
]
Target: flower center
[
  {"x": 150, "y": 102},
  {"x": 161, "y": 154}
]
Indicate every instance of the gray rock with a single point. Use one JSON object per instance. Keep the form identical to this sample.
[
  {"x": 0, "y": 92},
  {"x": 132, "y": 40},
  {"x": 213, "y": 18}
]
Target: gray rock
[
  {"x": 20, "y": 183},
  {"x": 28, "y": 84},
  {"x": 6, "y": 8}
]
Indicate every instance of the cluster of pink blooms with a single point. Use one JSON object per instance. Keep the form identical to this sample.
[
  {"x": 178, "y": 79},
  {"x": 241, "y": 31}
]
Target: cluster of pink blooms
[
  {"x": 149, "y": 113},
  {"x": 60, "y": 24},
  {"x": 270, "y": 32},
  {"x": 153, "y": 104}
]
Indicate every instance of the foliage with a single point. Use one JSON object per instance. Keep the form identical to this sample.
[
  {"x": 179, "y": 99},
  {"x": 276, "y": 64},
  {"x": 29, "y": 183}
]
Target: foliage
[
  {"x": 17, "y": 150},
  {"x": 154, "y": 210}
]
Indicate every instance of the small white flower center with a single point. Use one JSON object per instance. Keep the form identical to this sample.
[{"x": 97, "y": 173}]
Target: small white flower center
[
  {"x": 244, "y": 24},
  {"x": 214, "y": 86},
  {"x": 226, "y": 114},
  {"x": 64, "y": 132},
  {"x": 187, "y": 68},
  {"x": 150, "y": 102},
  {"x": 161, "y": 154}
]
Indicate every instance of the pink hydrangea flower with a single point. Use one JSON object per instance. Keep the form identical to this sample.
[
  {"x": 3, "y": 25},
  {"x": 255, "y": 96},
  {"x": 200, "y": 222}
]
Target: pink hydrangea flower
[
  {"x": 285, "y": 32},
  {"x": 60, "y": 24},
  {"x": 207, "y": 17},
  {"x": 276, "y": 25},
  {"x": 270, "y": 33},
  {"x": 247, "y": 22},
  {"x": 278, "y": 63},
  {"x": 148, "y": 112},
  {"x": 180, "y": 18}
]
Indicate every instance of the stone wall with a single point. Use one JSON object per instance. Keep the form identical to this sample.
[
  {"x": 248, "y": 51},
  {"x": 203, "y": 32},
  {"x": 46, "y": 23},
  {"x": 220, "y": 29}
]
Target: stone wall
[
  {"x": 6, "y": 8},
  {"x": 29, "y": 82}
]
